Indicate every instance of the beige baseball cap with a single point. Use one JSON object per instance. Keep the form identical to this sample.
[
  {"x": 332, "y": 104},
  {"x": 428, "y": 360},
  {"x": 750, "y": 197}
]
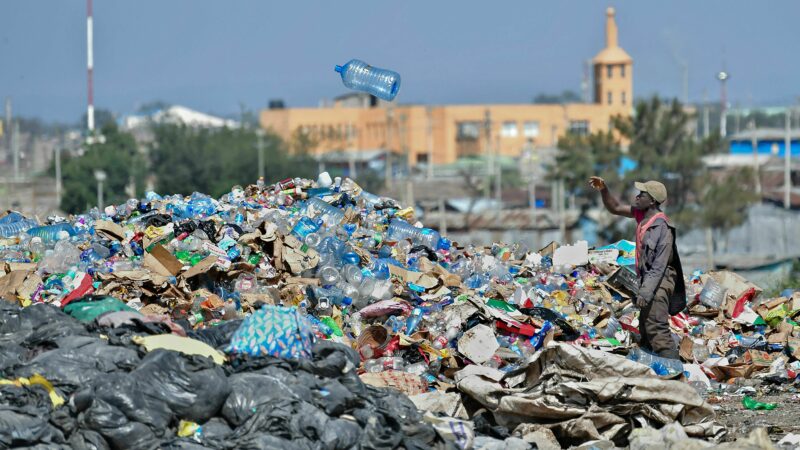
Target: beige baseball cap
[{"x": 656, "y": 190}]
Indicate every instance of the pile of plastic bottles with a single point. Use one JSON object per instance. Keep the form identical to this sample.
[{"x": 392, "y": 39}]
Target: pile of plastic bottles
[{"x": 375, "y": 279}]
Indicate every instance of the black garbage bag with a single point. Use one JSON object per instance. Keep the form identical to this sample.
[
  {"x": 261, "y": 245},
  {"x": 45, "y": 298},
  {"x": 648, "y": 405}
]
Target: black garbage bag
[
  {"x": 11, "y": 355},
  {"x": 39, "y": 325},
  {"x": 46, "y": 447},
  {"x": 266, "y": 441},
  {"x": 132, "y": 397},
  {"x": 218, "y": 336},
  {"x": 194, "y": 387},
  {"x": 88, "y": 440},
  {"x": 330, "y": 359},
  {"x": 119, "y": 432},
  {"x": 77, "y": 361},
  {"x": 186, "y": 444},
  {"x": 158, "y": 220},
  {"x": 251, "y": 392},
  {"x": 317, "y": 426},
  {"x": 20, "y": 427},
  {"x": 390, "y": 418},
  {"x": 335, "y": 398}
]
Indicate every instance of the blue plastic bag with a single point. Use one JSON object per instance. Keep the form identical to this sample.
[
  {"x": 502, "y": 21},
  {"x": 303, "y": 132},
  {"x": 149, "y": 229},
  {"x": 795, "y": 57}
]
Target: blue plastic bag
[{"x": 273, "y": 331}]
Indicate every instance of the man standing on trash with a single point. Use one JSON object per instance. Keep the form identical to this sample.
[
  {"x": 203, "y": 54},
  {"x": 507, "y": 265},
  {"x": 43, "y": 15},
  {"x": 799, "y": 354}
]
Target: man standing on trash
[{"x": 662, "y": 291}]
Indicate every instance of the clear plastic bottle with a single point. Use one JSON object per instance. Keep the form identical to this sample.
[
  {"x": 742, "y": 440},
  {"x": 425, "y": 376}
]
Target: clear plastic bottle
[
  {"x": 37, "y": 248},
  {"x": 383, "y": 364},
  {"x": 320, "y": 209},
  {"x": 661, "y": 366},
  {"x": 400, "y": 229},
  {"x": 358, "y": 75}
]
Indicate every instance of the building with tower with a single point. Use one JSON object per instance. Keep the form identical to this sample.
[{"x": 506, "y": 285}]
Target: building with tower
[{"x": 444, "y": 133}]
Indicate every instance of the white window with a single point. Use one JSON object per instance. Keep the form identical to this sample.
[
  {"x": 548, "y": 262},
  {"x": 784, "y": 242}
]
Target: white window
[
  {"x": 531, "y": 129},
  {"x": 623, "y": 96},
  {"x": 609, "y": 98},
  {"x": 509, "y": 130},
  {"x": 622, "y": 70}
]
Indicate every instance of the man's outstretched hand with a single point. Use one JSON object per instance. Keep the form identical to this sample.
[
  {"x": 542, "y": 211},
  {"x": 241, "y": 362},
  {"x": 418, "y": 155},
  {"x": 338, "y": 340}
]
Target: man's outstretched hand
[{"x": 597, "y": 183}]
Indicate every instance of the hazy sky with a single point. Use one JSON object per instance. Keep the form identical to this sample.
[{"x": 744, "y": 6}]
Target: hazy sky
[{"x": 216, "y": 55}]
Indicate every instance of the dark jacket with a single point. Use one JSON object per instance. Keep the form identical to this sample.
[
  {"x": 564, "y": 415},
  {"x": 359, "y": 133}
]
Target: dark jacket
[{"x": 659, "y": 263}]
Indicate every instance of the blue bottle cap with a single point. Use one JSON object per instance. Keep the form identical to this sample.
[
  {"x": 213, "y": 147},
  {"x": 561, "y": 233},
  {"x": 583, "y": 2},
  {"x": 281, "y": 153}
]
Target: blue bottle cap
[
  {"x": 347, "y": 301},
  {"x": 338, "y": 68}
]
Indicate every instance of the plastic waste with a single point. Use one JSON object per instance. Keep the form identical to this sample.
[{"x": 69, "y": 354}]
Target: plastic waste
[
  {"x": 358, "y": 75},
  {"x": 661, "y": 366},
  {"x": 752, "y": 404}
]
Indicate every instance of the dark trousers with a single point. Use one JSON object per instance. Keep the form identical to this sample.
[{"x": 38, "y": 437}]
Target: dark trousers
[{"x": 654, "y": 322}]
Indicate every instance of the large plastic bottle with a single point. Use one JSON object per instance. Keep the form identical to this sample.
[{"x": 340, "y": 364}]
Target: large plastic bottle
[
  {"x": 330, "y": 215},
  {"x": 400, "y": 229},
  {"x": 15, "y": 223},
  {"x": 358, "y": 75},
  {"x": 661, "y": 366},
  {"x": 55, "y": 232}
]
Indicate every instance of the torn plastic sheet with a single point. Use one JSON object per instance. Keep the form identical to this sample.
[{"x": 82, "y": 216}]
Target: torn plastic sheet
[{"x": 583, "y": 394}]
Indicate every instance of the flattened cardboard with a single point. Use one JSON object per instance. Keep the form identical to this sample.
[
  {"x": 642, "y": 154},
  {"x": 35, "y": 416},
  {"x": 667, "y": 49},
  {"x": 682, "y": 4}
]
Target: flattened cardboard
[
  {"x": 201, "y": 267},
  {"x": 298, "y": 256},
  {"x": 161, "y": 261},
  {"x": 18, "y": 266},
  {"x": 687, "y": 345},
  {"x": 109, "y": 230},
  {"x": 11, "y": 282}
]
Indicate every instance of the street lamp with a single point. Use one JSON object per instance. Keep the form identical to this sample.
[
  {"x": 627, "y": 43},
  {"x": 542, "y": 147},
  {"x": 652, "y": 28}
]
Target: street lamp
[
  {"x": 723, "y": 120},
  {"x": 100, "y": 176}
]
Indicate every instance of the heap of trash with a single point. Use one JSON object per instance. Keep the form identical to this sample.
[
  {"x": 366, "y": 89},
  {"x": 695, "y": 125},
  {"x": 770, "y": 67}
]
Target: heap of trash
[{"x": 313, "y": 314}]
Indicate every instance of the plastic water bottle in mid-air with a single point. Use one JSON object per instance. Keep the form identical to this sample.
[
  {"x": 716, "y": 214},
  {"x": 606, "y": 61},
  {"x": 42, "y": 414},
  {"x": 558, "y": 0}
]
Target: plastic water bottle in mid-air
[{"x": 358, "y": 75}]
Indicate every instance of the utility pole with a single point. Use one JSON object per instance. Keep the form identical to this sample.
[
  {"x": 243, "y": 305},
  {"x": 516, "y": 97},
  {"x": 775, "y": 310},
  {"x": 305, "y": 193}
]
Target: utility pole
[
  {"x": 706, "y": 125},
  {"x": 100, "y": 177},
  {"x": 787, "y": 161},
  {"x": 498, "y": 178},
  {"x": 260, "y": 149},
  {"x": 531, "y": 177},
  {"x": 15, "y": 150},
  {"x": 90, "y": 67},
  {"x": 487, "y": 138},
  {"x": 406, "y": 157},
  {"x": 57, "y": 157},
  {"x": 756, "y": 168},
  {"x": 389, "y": 153},
  {"x": 429, "y": 111},
  {"x": 8, "y": 127},
  {"x": 685, "y": 70},
  {"x": 351, "y": 157},
  {"x": 562, "y": 225}
]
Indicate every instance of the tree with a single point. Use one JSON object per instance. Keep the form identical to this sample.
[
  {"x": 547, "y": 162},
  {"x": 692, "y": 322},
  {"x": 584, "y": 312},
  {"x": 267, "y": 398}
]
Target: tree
[
  {"x": 725, "y": 202},
  {"x": 186, "y": 159},
  {"x": 580, "y": 157},
  {"x": 117, "y": 156},
  {"x": 664, "y": 148},
  {"x": 302, "y": 142}
]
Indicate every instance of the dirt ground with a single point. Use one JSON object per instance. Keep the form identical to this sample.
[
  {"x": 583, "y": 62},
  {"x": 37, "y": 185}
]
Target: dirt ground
[{"x": 740, "y": 421}]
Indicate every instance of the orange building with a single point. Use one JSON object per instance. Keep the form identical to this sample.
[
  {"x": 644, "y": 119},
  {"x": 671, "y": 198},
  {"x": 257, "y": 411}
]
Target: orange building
[{"x": 358, "y": 122}]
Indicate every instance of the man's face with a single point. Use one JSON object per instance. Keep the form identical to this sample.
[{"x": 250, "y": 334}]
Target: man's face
[{"x": 643, "y": 201}]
